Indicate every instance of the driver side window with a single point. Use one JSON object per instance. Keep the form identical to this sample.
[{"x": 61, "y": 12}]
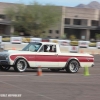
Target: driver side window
[{"x": 48, "y": 48}]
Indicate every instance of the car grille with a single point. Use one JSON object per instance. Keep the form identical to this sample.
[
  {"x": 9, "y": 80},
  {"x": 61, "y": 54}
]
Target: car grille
[{"x": 2, "y": 57}]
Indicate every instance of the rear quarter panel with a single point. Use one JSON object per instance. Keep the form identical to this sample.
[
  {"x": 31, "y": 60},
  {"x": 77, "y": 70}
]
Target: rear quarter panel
[{"x": 84, "y": 59}]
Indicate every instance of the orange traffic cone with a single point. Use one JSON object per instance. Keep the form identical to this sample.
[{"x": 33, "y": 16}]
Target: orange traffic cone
[{"x": 39, "y": 72}]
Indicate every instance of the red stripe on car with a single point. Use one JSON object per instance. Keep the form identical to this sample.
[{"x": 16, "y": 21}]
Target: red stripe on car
[{"x": 52, "y": 58}]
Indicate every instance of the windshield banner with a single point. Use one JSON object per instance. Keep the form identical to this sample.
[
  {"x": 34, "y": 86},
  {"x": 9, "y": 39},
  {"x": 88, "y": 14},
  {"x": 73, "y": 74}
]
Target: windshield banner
[{"x": 16, "y": 39}]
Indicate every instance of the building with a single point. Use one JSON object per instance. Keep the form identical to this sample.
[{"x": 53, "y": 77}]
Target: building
[
  {"x": 84, "y": 23},
  {"x": 5, "y": 24}
]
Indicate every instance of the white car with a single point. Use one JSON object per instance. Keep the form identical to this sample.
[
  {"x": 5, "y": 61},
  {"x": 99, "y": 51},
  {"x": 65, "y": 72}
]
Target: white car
[{"x": 46, "y": 55}]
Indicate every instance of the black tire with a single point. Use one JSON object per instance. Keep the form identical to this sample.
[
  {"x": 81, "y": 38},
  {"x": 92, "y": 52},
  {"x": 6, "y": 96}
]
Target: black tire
[
  {"x": 73, "y": 66},
  {"x": 55, "y": 70},
  {"x": 4, "y": 68},
  {"x": 20, "y": 65}
]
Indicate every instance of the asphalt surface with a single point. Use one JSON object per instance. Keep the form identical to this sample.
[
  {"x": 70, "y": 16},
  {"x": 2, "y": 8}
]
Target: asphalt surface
[{"x": 51, "y": 85}]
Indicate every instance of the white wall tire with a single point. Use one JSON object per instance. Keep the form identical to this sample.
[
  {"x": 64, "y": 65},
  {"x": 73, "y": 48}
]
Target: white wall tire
[
  {"x": 20, "y": 65},
  {"x": 73, "y": 66}
]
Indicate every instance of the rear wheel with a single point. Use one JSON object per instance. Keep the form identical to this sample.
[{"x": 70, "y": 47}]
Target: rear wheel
[
  {"x": 73, "y": 66},
  {"x": 20, "y": 65},
  {"x": 4, "y": 68}
]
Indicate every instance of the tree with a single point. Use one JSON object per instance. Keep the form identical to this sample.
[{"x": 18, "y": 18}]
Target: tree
[{"x": 33, "y": 18}]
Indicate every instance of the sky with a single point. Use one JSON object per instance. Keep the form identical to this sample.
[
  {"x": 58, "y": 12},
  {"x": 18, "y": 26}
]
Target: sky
[{"x": 70, "y": 3}]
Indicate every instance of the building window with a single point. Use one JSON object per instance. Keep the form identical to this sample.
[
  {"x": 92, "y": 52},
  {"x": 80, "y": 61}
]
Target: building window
[
  {"x": 50, "y": 31},
  {"x": 94, "y": 23},
  {"x": 57, "y": 31},
  {"x": 67, "y": 21},
  {"x": 77, "y": 21}
]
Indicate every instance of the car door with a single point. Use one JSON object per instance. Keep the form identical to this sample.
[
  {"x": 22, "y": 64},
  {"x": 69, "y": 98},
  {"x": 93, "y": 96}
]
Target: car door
[{"x": 47, "y": 58}]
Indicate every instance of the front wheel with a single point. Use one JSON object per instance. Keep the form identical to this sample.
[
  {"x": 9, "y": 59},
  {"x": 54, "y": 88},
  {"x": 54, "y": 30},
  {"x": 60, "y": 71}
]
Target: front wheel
[
  {"x": 20, "y": 65},
  {"x": 73, "y": 66}
]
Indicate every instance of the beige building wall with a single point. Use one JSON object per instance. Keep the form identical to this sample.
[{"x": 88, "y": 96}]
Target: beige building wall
[
  {"x": 56, "y": 27},
  {"x": 82, "y": 13},
  {"x": 4, "y": 6}
]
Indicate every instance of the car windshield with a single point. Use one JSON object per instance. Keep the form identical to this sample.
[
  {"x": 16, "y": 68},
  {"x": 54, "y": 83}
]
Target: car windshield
[{"x": 34, "y": 47}]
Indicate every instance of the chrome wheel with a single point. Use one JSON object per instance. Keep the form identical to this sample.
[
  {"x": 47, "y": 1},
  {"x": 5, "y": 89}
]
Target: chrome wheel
[
  {"x": 73, "y": 66},
  {"x": 20, "y": 65}
]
